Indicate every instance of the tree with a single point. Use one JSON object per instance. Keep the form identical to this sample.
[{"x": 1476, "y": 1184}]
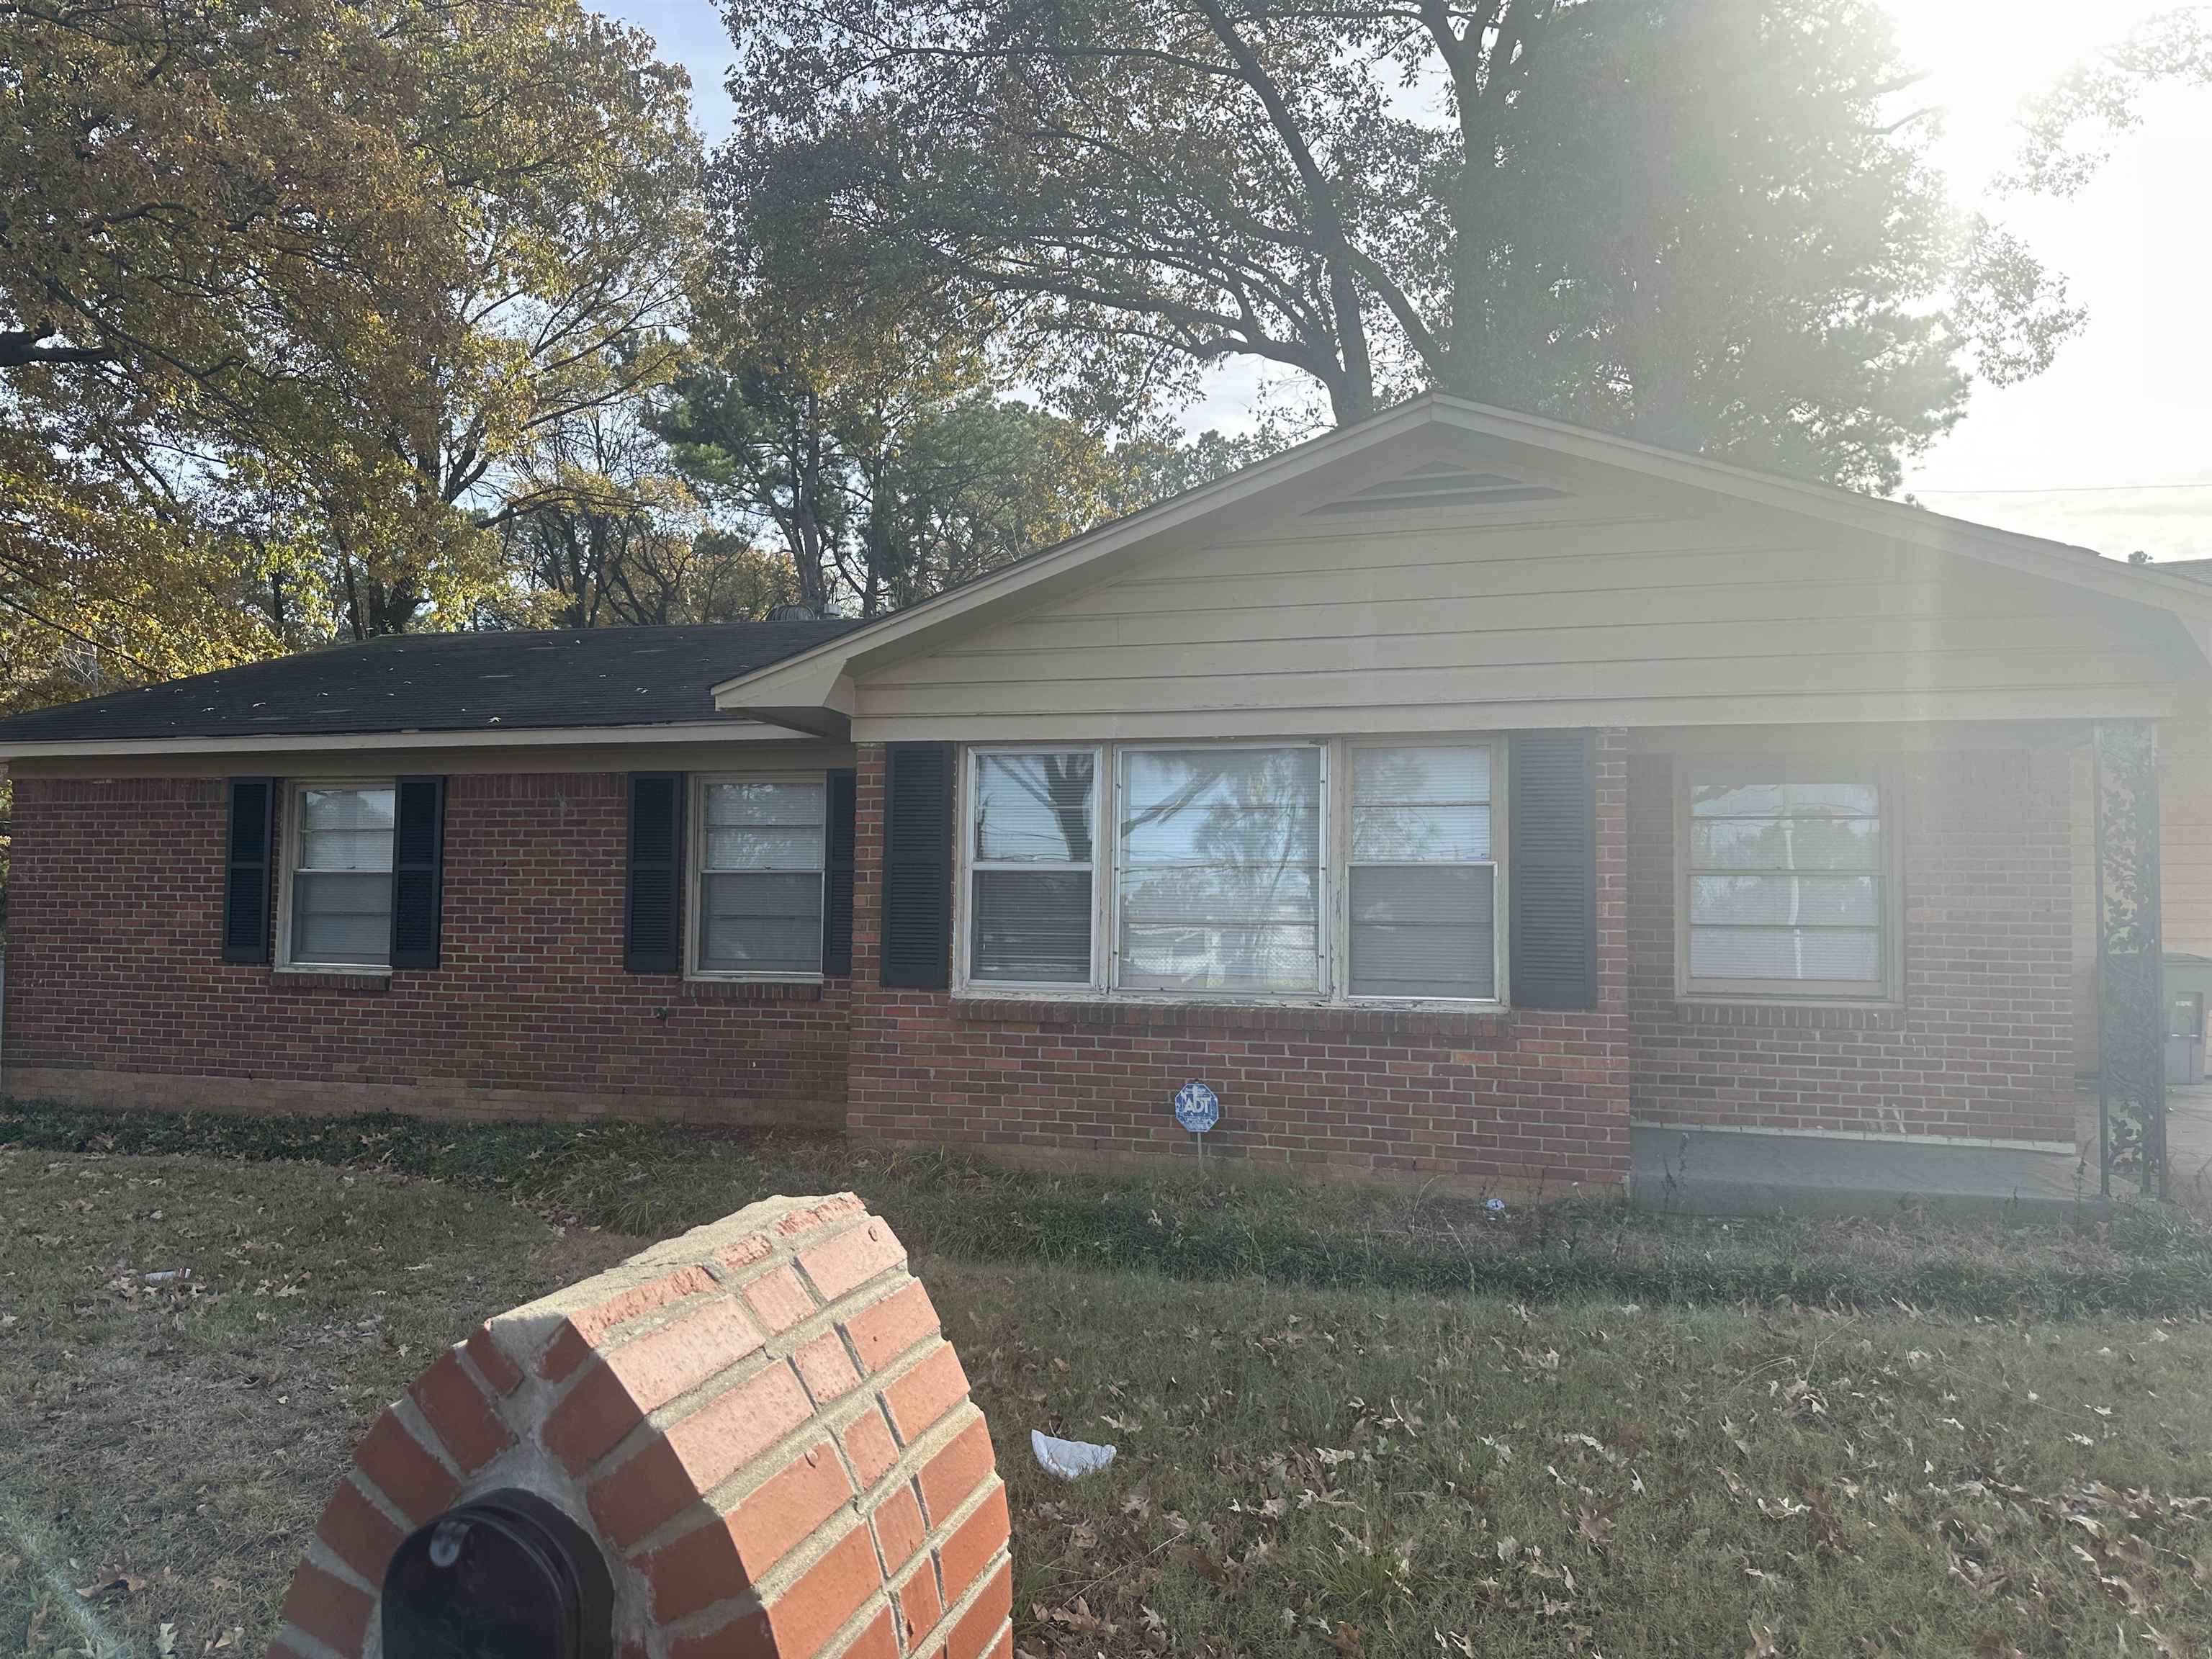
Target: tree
[
  {"x": 2071, "y": 126},
  {"x": 884, "y": 468},
  {"x": 1703, "y": 220},
  {"x": 287, "y": 291},
  {"x": 616, "y": 537},
  {"x": 845, "y": 413}
]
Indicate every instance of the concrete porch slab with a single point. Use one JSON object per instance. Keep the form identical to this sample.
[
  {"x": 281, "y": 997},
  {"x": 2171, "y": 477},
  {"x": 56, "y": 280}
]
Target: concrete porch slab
[{"x": 1724, "y": 1172}]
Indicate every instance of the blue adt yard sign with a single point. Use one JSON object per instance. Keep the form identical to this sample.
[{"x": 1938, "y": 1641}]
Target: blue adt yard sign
[{"x": 1197, "y": 1108}]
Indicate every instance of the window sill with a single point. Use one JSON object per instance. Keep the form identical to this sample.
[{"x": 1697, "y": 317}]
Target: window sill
[
  {"x": 360, "y": 982},
  {"x": 1811, "y": 1014},
  {"x": 1313, "y": 1019},
  {"x": 707, "y": 989}
]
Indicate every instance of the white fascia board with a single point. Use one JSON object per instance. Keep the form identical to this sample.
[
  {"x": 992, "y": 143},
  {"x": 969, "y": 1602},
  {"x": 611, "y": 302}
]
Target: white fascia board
[{"x": 292, "y": 743}]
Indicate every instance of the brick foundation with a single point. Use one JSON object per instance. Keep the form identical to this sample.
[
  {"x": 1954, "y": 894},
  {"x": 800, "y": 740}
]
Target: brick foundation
[
  {"x": 1984, "y": 1044},
  {"x": 114, "y": 970},
  {"x": 1520, "y": 1100},
  {"x": 758, "y": 1424}
]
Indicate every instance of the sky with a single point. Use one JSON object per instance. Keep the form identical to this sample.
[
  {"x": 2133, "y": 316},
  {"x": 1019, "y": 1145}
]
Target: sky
[{"x": 2110, "y": 447}]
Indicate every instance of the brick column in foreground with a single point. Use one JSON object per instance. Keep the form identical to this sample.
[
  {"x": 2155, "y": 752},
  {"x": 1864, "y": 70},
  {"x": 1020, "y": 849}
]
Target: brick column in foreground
[{"x": 761, "y": 1424}]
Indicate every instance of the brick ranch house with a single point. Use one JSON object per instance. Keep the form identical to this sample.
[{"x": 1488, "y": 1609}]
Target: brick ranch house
[{"x": 1461, "y": 794}]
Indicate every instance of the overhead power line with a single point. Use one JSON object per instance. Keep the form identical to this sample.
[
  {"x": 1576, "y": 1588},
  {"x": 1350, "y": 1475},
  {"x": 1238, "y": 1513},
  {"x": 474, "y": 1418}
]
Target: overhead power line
[{"x": 2065, "y": 490}]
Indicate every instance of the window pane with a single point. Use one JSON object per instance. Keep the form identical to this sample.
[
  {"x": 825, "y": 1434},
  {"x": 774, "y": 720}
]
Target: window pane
[
  {"x": 764, "y": 801},
  {"x": 1031, "y": 927},
  {"x": 1230, "y": 927},
  {"x": 1235, "y": 893},
  {"x": 771, "y": 848},
  {"x": 758, "y": 824},
  {"x": 346, "y": 809},
  {"x": 1238, "y": 806},
  {"x": 1420, "y": 835},
  {"x": 1423, "y": 932},
  {"x": 1785, "y": 844},
  {"x": 761, "y": 923},
  {"x": 1429, "y": 775},
  {"x": 340, "y": 917},
  {"x": 1219, "y": 957},
  {"x": 1817, "y": 900},
  {"x": 345, "y": 828},
  {"x": 1034, "y": 807},
  {"x": 1774, "y": 892},
  {"x": 1221, "y": 885},
  {"x": 1768, "y": 800},
  {"x": 1786, "y": 953}
]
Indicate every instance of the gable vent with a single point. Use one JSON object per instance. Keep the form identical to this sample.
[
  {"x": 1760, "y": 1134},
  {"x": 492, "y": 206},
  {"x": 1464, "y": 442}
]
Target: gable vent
[{"x": 1440, "y": 484}]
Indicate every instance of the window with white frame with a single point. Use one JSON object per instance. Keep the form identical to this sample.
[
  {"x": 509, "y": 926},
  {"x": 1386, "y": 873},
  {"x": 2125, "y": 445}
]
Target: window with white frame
[
  {"x": 758, "y": 888},
  {"x": 1424, "y": 882},
  {"x": 1788, "y": 886},
  {"x": 339, "y": 906},
  {"x": 1232, "y": 870},
  {"x": 1032, "y": 827}
]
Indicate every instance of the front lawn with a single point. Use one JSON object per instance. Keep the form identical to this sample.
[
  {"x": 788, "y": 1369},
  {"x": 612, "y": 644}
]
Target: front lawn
[{"x": 1337, "y": 1438}]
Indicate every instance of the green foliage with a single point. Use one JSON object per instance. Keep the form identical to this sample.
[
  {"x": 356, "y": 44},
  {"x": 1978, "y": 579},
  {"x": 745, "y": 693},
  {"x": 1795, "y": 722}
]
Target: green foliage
[
  {"x": 613, "y": 536},
  {"x": 852, "y": 422},
  {"x": 291, "y": 295},
  {"x": 1701, "y": 223}
]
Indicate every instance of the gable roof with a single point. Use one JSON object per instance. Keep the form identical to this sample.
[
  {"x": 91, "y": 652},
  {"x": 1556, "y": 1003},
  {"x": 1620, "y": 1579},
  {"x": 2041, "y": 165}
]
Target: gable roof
[
  {"x": 1481, "y": 446},
  {"x": 523, "y": 681},
  {"x": 770, "y": 680}
]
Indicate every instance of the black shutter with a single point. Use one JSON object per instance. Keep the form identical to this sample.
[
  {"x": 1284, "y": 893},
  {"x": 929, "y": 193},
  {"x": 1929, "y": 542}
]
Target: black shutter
[
  {"x": 247, "y": 864},
  {"x": 837, "y": 889},
  {"x": 1552, "y": 785},
  {"x": 418, "y": 872},
  {"x": 653, "y": 923},
  {"x": 918, "y": 866}
]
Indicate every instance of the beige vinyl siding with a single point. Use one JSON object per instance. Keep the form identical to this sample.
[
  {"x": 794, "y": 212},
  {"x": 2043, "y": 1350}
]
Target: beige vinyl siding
[{"x": 1552, "y": 613}]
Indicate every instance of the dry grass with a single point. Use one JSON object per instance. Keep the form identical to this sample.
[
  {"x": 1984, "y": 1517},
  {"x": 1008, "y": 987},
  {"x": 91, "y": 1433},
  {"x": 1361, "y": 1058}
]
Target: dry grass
[
  {"x": 169, "y": 1447},
  {"x": 1348, "y": 1471}
]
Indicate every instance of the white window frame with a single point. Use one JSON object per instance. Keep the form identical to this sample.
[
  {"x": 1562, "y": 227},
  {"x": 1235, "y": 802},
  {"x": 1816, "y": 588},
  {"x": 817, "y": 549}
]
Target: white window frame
[
  {"x": 695, "y": 872},
  {"x": 288, "y": 863},
  {"x": 967, "y": 864},
  {"x": 1888, "y": 992},
  {"x": 1332, "y": 923}
]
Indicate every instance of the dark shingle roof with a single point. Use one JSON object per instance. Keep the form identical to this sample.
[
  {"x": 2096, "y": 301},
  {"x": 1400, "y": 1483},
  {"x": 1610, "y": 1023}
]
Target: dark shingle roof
[{"x": 443, "y": 683}]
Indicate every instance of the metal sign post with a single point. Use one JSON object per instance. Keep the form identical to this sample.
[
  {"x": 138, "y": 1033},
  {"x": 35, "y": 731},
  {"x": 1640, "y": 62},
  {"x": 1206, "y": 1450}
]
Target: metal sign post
[{"x": 1198, "y": 1109}]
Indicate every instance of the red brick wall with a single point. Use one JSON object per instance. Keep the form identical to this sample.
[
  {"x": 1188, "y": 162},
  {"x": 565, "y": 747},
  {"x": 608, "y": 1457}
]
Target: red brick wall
[
  {"x": 115, "y": 902},
  {"x": 1516, "y": 1098},
  {"x": 1983, "y": 1043},
  {"x": 113, "y": 968}
]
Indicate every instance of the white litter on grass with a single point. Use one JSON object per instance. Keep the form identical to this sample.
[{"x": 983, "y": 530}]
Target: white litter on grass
[{"x": 1069, "y": 1459}]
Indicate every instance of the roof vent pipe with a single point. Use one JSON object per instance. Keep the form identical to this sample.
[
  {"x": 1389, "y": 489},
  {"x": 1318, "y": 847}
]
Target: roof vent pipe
[{"x": 792, "y": 613}]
